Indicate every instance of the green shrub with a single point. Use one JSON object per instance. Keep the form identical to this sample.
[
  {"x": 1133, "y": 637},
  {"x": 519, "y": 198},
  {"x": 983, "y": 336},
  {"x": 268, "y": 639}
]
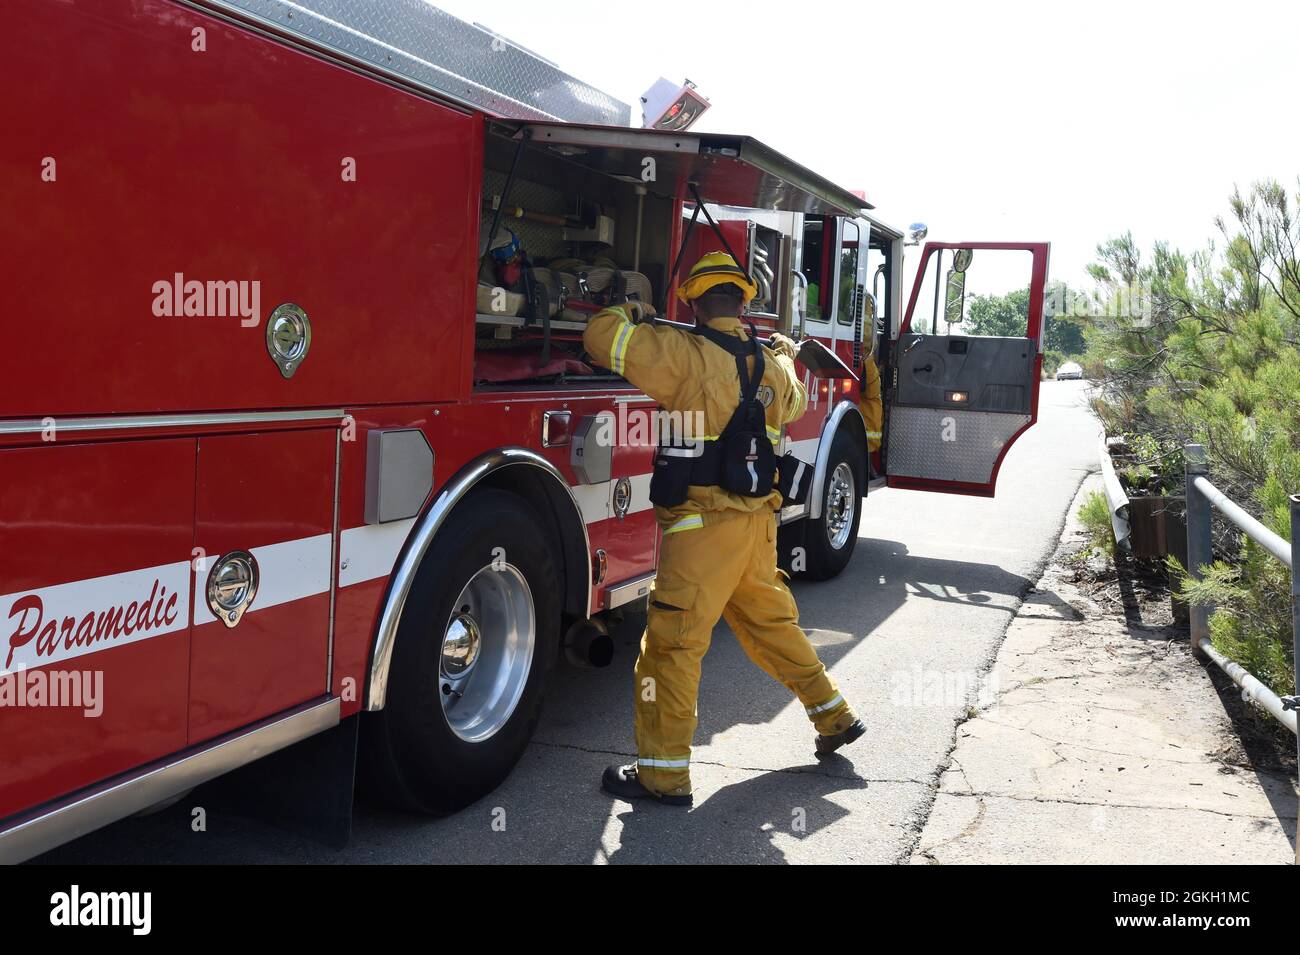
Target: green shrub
[
  {"x": 1136, "y": 477},
  {"x": 1094, "y": 515},
  {"x": 1213, "y": 358},
  {"x": 1252, "y": 622}
]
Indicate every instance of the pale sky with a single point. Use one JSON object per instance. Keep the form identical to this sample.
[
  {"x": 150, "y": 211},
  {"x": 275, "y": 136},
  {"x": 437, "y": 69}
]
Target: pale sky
[{"x": 1069, "y": 122}]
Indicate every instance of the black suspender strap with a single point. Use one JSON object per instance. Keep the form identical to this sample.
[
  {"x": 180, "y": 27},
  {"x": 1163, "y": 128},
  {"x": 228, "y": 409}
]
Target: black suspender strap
[
  {"x": 740, "y": 459},
  {"x": 686, "y": 235},
  {"x": 740, "y": 350},
  {"x": 699, "y": 205}
]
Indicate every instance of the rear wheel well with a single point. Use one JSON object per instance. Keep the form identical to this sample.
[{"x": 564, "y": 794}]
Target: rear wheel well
[
  {"x": 853, "y": 426},
  {"x": 566, "y": 533}
]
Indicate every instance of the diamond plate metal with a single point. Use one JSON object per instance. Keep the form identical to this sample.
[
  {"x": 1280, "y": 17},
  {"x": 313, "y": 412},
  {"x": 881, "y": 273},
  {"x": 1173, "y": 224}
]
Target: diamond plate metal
[
  {"x": 538, "y": 239},
  {"x": 917, "y": 448},
  {"x": 417, "y": 42}
]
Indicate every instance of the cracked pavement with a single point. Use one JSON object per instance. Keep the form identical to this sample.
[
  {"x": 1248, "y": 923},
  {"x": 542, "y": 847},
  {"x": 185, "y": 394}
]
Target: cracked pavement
[{"x": 907, "y": 630}]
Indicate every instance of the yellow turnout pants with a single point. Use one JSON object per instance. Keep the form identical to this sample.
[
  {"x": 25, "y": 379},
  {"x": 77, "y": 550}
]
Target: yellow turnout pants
[{"x": 726, "y": 568}]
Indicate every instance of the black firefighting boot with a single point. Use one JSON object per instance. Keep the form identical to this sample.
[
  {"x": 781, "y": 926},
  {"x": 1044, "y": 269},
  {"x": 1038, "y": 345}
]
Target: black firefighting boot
[
  {"x": 829, "y": 744},
  {"x": 623, "y": 782}
]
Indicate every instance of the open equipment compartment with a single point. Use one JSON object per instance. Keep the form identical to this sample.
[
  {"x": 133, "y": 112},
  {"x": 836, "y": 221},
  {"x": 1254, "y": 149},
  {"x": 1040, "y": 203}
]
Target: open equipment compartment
[
  {"x": 590, "y": 206},
  {"x": 568, "y": 237}
]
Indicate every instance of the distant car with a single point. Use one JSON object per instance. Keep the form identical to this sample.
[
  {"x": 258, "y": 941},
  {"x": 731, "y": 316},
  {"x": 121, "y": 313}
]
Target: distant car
[{"x": 1069, "y": 370}]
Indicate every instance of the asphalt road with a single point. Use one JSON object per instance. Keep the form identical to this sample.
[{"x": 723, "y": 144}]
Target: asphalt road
[{"x": 906, "y": 630}]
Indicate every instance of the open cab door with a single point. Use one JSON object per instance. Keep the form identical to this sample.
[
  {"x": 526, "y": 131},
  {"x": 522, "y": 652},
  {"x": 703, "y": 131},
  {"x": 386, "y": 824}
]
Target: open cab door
[{"x": 967, "y": 360}]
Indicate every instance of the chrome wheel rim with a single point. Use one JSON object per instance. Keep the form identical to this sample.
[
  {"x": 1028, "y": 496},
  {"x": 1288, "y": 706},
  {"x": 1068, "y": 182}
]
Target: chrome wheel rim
[
  {"x": 840, "y": 504},
  {"x": 487, "y": 652}
]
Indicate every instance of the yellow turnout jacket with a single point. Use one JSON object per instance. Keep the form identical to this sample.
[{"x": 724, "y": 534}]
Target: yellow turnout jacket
[{"x": 687, "y": 373}]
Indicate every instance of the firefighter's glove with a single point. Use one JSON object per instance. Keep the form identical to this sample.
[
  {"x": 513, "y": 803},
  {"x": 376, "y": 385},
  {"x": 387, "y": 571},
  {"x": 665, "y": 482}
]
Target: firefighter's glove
[{"x": 783, "y": 346}]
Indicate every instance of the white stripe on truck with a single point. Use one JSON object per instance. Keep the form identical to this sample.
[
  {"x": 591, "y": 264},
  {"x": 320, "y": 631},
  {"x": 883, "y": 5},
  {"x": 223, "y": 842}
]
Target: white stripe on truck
[
  {"x": 288, "y": 571},
  {"x": 370, "y": 551},
  {"x": 65, "y": 621}
]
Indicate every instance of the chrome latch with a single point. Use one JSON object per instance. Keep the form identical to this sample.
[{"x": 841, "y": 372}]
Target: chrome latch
[
  {"x": 622, "y": 497},
  {"x": 232, "y": 585},
  {"x": 288, "y": 337}
]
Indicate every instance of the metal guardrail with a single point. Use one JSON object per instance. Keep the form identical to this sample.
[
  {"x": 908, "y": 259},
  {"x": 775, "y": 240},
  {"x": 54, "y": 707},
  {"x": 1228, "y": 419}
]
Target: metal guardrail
[
  {"x": 1116, "y": 499},
  {"x": 1202, "y": 496}
]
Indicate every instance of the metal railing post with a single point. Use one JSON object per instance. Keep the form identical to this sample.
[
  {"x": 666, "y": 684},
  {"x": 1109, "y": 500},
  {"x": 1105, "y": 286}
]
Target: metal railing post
[
  {"x": 1295, "y": 628},
  {"x": 1200, "y": 540}
]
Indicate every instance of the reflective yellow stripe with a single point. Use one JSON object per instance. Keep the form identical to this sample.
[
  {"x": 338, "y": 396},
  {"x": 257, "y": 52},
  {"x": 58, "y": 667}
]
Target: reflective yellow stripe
[
  {"x": 833, "y": 702},
  {"x": 663, "y": 763},
  {"x": 618, "y": 351},
  {"x": 688, "y": 523},
  {"x": 873, "y": 434}
]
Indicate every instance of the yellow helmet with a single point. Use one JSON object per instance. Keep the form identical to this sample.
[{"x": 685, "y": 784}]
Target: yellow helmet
[{"x": 716, "y": 268}]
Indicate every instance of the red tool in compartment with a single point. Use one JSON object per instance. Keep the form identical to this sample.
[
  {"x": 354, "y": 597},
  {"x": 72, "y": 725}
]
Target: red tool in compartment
[{"x": 704, "y": 241}]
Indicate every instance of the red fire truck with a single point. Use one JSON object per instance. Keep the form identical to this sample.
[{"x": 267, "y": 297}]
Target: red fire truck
[{"x": 307, "y": 465}]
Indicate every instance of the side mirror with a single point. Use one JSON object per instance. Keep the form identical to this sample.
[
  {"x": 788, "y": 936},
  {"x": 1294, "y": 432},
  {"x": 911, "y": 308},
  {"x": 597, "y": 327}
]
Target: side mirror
[
  {"x": 868, "y": 323},
  {"x": 961, "y": 259},
  {"x": 954, "y": 297},
  {"x": 916, "y": 232}
]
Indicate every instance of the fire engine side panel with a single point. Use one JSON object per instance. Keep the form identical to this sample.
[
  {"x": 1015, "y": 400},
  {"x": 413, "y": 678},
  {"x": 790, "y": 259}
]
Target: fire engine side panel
[
  {"x": 458, "y": 434},
  {"x": 367, "y": 552},
  {"x": 122, "y": 516},
  {"x": 802, "y": 435},
  {"x": 271, "y": 495},
  {"x": 175, "y": 144},
  {"x": 631, "y": 542}
]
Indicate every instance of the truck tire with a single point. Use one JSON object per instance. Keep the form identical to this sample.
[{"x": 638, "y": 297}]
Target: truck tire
[
  {"x": 476, "y": 645},
  {"x": 829, "y": 539}
]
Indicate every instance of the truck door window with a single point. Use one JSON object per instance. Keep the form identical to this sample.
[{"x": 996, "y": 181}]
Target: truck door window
[
  {"x": 984, "y": 293},
  {"x": 849, "y": 252},
  {"x": 814, "y": 268},
  {"x": 881, "y": 283}
]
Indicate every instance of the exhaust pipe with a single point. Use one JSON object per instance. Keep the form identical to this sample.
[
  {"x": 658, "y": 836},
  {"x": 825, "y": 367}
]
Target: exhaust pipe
[{"x": 588, "y": 644}]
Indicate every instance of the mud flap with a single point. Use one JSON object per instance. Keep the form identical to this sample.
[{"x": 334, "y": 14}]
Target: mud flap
[{"x": 789, "y": 545}]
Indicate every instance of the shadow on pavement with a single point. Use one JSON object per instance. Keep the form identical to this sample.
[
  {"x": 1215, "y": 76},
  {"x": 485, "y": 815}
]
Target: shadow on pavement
[
  {"x": 739, "y": 823},
  {"x": 839, "y": 614}
]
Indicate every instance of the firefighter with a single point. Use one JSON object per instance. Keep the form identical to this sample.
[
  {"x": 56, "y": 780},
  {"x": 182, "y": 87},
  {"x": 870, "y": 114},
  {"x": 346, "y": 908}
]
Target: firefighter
[
  {"x": 719, "y": 544},
  {"x": 869, "y": 403}
]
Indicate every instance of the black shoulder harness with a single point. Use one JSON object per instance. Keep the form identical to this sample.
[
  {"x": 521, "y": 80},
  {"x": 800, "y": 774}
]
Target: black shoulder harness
[{"x": 741, "y": 459}]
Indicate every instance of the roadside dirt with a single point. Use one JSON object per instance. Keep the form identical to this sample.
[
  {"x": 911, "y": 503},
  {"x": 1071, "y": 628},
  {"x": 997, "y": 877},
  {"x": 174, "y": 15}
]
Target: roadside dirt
[
  {"x": 1104, "y": 741},
  {"x": 1140, "y": 592}
]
